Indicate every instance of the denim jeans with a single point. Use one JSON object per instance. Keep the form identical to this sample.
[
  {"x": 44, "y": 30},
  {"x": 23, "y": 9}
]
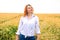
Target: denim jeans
[{"x": 22, "y": 37}]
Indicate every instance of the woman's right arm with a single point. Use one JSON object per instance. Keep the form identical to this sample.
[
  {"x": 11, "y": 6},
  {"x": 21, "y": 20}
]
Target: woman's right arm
[{"x": 19, "y": 28}]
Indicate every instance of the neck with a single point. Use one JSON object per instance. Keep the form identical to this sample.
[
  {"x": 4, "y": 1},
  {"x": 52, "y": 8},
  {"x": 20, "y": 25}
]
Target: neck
[{"x": 29, "y": 14}]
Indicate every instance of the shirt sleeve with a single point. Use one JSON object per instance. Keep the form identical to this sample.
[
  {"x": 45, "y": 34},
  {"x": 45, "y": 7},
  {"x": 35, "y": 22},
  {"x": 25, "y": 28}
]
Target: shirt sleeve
[
  {"x": 19, "y": 26},
  {"x": 37, "y": 27}
]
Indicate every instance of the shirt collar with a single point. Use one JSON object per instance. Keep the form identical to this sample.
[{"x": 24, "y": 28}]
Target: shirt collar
[{"x": 32, "y": 15}]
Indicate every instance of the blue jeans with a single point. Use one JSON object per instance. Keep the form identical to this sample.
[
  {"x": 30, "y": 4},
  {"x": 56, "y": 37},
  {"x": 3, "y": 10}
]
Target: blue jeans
[{"x": 22, "y": 37}]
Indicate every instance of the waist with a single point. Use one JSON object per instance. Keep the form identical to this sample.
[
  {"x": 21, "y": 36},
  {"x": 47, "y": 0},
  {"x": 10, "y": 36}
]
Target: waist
[{"x": 27, "y": 35}]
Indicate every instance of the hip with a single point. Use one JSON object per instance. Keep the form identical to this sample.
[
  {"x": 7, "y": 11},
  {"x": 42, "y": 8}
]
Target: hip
[{"x": 22, "y": 37}]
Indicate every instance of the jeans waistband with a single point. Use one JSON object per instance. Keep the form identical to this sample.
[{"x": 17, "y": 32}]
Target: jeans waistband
[{"x": 26, "y": 36}]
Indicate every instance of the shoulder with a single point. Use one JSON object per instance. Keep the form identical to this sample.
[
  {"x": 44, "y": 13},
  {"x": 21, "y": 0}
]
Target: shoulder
[
  {"x": 21, "y": 17},
  {"x": 36, "y": 17}
]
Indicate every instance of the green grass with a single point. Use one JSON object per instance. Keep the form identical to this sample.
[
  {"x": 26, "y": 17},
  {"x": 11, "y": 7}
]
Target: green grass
[{"x": 8, "y": 32}]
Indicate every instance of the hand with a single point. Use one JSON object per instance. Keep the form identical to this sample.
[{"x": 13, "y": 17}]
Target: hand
[
  {"x": 38, "y": 37},
  {"x": 17, "y": 37}
]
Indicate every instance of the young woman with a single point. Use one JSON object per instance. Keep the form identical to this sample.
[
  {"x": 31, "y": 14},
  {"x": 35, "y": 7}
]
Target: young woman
[{"x": 28, "y": 25}]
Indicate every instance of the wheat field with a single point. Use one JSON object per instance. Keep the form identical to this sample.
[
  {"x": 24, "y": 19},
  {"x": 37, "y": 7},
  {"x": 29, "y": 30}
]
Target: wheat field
[{"x": 49, "y": 26}]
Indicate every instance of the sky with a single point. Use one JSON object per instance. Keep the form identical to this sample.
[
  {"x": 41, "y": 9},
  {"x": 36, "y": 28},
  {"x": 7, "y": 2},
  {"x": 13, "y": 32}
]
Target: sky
[{"x": 40, "y": 6}]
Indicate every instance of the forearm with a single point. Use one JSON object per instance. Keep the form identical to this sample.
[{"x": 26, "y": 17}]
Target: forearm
[
  {"x": 17, "y": 37},
  {"x": 38, "y": 36}
]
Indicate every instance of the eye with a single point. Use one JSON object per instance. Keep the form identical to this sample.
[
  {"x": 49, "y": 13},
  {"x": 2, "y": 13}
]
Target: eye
[{"x": 29, "y": 7}]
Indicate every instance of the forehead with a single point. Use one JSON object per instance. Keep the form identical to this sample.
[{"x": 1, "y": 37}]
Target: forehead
[{"x": 29, "y": 6}]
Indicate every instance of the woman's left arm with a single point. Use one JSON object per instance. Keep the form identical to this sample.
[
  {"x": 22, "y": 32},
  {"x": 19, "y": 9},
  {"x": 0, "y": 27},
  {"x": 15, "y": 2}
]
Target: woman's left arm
[
  {"x": 38, "y": 36},
  {"x": 37, "y": 28}
]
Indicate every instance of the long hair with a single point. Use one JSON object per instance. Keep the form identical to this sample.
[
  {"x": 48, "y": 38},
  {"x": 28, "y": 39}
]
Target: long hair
[{"x": 25, "y": 10}]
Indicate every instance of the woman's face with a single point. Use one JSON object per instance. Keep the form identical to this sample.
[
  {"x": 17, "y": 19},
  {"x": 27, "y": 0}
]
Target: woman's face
[{"x": 29, "y": 9}]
